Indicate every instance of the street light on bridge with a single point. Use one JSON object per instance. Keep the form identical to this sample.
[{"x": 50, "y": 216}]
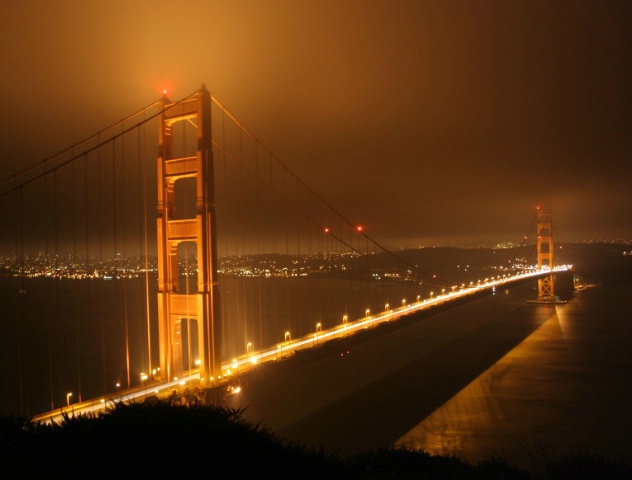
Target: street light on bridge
[
  {"x": 287, "y": 338},
  {"x": 68, "y": 395},
  {"x": 143, "y": 379}
]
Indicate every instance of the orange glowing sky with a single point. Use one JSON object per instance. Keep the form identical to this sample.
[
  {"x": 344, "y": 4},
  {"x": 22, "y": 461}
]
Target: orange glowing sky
[{"x": 427, "y": 121}]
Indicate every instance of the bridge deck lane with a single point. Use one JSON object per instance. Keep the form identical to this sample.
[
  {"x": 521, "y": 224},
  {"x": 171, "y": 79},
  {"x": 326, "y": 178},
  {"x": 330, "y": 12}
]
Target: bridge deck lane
[{"x": 384, "y": 386}]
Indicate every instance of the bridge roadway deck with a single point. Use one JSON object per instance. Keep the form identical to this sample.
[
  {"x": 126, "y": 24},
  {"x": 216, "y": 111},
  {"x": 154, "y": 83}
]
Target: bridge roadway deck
[
  {"x": 367, "y": 394},
  {"x": 280, "y": 401}
]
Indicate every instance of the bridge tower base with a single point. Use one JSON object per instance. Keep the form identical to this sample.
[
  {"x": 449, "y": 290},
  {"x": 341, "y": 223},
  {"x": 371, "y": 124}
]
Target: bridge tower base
[{"x": 177, "y": 305}]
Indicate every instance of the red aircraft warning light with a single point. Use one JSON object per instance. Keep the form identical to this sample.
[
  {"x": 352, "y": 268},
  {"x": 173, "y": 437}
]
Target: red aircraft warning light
[{"x": 360, "y": 228}]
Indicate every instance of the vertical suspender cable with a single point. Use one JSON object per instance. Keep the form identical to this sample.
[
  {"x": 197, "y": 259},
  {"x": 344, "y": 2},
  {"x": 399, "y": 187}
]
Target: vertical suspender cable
[
  {"x": 273, "y": 221},
  {"x": 76, "y": 294},
  {"x": 244, "y": 282},
  {"x": 115, "y": 275},
  {"x": 85, "y": 226},
  {"x": 100, "y": 264},
  {"x": 56, "y": 277},
  {"x": 260, "y": 229},
  {"x": 21, "y": 291},
  {"x": 124, "y": 258},
  {"x": 297, "y": 232},
  {"x": 224, "y": 290},
  {"x": 49, "y": 327},
  {"x": 286, "y": 279},
  {"x": 143, "y": 201}
]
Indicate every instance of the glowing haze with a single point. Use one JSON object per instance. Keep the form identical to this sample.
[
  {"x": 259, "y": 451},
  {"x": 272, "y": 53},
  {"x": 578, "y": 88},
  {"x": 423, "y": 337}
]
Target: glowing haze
[{"x": 427, "y": 122}]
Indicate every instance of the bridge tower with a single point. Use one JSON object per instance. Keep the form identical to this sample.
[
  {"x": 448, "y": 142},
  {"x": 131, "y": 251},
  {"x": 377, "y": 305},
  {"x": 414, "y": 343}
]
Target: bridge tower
[
  {"x": 176, "y": 306},
  {"x": 545, "y": 254}
]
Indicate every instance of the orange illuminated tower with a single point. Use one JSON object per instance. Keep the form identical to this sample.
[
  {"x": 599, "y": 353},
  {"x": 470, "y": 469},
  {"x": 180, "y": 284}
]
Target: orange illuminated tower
[
  {"x": 177, "y": 305},
  {"x": 546, "y": 291}
]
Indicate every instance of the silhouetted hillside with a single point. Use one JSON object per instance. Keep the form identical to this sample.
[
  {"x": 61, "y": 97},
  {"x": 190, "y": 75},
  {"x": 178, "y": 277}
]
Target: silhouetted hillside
[{"x": 164, "y": 441}]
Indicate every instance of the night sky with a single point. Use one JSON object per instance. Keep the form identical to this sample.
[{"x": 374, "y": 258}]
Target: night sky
[{"x": 430, "y": 122}]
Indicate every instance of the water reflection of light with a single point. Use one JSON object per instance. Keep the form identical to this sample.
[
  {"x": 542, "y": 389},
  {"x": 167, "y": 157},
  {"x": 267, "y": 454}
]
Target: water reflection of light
[{"x": 507, "y": 410}]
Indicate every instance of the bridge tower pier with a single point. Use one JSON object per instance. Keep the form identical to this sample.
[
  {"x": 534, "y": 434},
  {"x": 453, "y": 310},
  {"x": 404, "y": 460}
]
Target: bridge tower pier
[
  {"x": 546, "y": 290},
  {"x": 176, "y": 304}
]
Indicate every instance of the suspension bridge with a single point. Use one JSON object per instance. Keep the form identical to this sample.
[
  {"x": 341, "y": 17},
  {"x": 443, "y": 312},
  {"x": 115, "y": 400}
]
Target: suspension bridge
[{"x": 173, "y": 248}]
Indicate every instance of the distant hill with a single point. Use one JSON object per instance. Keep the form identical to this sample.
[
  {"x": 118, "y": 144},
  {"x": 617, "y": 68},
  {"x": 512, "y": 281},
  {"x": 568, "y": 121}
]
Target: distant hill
[{"x": 600, "y": 262}]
